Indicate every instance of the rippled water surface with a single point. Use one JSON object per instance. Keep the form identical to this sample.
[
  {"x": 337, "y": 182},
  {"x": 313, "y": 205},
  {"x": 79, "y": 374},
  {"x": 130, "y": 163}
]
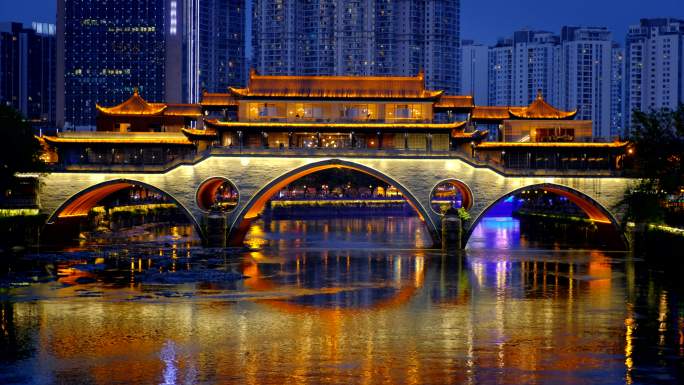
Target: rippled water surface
[{"x": 342, "y": 301}]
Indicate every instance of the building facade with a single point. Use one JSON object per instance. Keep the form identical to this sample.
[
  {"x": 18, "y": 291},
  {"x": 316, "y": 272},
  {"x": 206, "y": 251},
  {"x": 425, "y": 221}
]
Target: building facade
[
  {"x": 585, "y": 72},
  {"x": 654, "y": 66},
  {"x": 366, "y": 37},
  {"x": 106, "y": 49},
  {"x": 617, "y": 81},
  {"x": 213, "y": 47},
  {"x": 500, "y": 82},
  {"x": 535, "y": 60},
  {"x": 27, "y": 70},
  {"x": 169, "y": 50},
  {"x": 475, "y": 71}
]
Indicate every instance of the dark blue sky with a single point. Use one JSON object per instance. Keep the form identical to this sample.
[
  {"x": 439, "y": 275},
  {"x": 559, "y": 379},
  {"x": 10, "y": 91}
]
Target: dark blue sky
[{"x": 483, "y": 20}]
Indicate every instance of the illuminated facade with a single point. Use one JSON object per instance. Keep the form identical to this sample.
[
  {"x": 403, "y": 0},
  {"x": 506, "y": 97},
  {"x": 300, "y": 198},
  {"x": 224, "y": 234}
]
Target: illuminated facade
[
  {"x": 654, "y": 66},
  {"x": 27, "y": 70},
  {"x": 374, "y": 115},
  {"x": 105, "y": 50},
  {"x": 332, "y": 37},
  {"x": 171, "y": 50}
]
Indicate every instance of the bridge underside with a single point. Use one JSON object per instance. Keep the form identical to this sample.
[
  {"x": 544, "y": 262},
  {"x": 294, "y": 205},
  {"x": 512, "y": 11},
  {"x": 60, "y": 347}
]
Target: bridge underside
[{"x": 257, "y": 179}]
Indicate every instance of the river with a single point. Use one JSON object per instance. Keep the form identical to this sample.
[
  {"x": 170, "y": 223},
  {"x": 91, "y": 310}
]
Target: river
[{"x": 341, "y": 301}]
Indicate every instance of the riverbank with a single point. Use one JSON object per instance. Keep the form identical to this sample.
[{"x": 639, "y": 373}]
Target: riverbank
[{"x": 21, "y": 230}]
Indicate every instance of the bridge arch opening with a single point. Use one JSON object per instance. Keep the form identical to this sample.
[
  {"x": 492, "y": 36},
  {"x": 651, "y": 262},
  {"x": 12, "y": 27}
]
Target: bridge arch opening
[
  {"x": 451, "y": 193},
  {"x": 217, "y": 194},
  {"x": 116, "y": 204},
  {"x": 540, "y": 215},
  {"x": 265, "y": 194}
]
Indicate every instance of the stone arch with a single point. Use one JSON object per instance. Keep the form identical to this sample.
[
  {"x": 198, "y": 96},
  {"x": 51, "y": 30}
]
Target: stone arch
[
  {"x": 208, "y": 188},
  {"x": 594, "y": 210},
  {"x": 462, "y": 187},
  {"x": 256, "y": 203},
  {"x": 80, "y": 203}
]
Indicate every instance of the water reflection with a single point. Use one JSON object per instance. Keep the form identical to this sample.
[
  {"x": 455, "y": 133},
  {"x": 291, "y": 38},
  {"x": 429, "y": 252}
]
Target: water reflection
[{"x": 367, "y": 308}]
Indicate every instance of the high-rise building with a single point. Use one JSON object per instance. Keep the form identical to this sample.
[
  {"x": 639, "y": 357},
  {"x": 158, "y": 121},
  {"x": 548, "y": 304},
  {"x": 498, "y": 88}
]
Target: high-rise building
[
  {"x": 107, "y": 49},
  {"x": 214, "y": 46},
  {"x": 617, "y": 91},
  {"x": 522, "y": 66},
  {"x": 27, "y": 70},
  {"x": 363, "y": 37},
  {"x": 475, "y": 71},
  {"x": 535, "y": 56},
  {"x": 169, "y": 50},
  {"x": 501, "y": 73},
  {"x": 654, "y": 66},
  {"x": 585, "y": 73}
]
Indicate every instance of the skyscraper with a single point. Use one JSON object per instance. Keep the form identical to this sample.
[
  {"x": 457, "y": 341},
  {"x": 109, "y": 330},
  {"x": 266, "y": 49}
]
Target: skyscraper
[
  {"x": 363, "y": 37},
  {"x": 170, "y": 50},
  {"x": 213, "y": 46},
  {"x": 27, "y": 70},
  {"x": 501, "y": 73},
  {"x": 534, "y": 66},
  {"x": 617, "y": 91},
  {"x": 522, "y": 66},
  {"x": 106, "y": 49},
  {"x": 585, "y": 73},
  {"x": 654, "y": 66},
  {"x": 474, "y": 71}
]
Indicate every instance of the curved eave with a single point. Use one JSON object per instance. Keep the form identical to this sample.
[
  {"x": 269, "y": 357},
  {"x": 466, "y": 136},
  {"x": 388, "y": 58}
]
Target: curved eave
[
  {"x": 246, "y": 93},
  {"x": 475, "y": 135},
  {"x": 200, "y": 134},
  {"x": 53, "y": 140},
  {"x": 116, "y": 112},
  {"x": 349, "y": 126},
  {"x": 503, "y": 145},
  {"x": 560, "y": 115}
]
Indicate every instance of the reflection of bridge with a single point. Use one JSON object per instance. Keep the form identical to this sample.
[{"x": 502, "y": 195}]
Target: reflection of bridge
[{"x": 257, "y": 178}]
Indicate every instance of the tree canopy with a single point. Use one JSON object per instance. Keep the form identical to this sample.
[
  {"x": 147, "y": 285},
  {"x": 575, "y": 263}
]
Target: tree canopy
[
  {"x": 658, "y": 139},
  {"x": 20, "y": 151}
]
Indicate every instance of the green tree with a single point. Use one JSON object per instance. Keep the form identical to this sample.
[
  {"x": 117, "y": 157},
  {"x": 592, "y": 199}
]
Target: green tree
[
  {"x": 658, "y": 139},
  {"x": 20, "y": 150}
]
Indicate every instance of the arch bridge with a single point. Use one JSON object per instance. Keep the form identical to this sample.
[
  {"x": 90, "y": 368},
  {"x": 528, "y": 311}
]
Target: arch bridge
[{"x": 71, "y": 194}]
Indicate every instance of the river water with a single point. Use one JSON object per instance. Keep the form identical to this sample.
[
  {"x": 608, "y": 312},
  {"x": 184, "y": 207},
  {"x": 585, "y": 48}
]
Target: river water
[{"x": 341, "y": 301}]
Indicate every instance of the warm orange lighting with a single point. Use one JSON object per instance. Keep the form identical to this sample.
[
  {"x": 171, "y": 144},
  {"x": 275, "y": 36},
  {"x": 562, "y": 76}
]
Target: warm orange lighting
[{"x": 318, "y": 126}]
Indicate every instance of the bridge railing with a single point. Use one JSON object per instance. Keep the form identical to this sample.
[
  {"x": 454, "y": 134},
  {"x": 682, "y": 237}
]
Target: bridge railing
[{"x": 335, "y": 152}]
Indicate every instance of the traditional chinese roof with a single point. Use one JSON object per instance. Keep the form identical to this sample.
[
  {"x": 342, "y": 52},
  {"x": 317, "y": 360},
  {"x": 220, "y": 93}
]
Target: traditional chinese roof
[
  {"x": 349, "y": 126},
  {"x": 540, "y": 109},
  {"x": 336, "y": 87},
  {"x": 588, "y": 145},
  {"x": 135, "y": 105},
  {"x": 189, "y": 110},
  {"x": 217, "y": 99},
  {"x": 475, "y": 135},
  {"x": 117, "y": 138},
  {"x": 200, "y": 134},
  {"x": 454, "y": 102},
  {"x": 490, "y": 113}
]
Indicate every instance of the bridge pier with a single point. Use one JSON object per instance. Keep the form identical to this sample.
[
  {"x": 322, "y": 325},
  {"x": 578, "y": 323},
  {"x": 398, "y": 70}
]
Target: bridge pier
[
  {"x": 216, "y": 229},
  {"x": 259, "y": 177},
  {"x": 452, "y": 231}
]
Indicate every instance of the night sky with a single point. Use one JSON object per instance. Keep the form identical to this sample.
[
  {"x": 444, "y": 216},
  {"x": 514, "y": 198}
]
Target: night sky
[{"x": 482, "y": 20}]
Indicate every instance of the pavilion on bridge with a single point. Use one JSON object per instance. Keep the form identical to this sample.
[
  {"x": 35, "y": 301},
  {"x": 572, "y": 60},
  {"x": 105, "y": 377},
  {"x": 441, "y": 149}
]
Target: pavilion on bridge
[{"x": 329, "y": 114}]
